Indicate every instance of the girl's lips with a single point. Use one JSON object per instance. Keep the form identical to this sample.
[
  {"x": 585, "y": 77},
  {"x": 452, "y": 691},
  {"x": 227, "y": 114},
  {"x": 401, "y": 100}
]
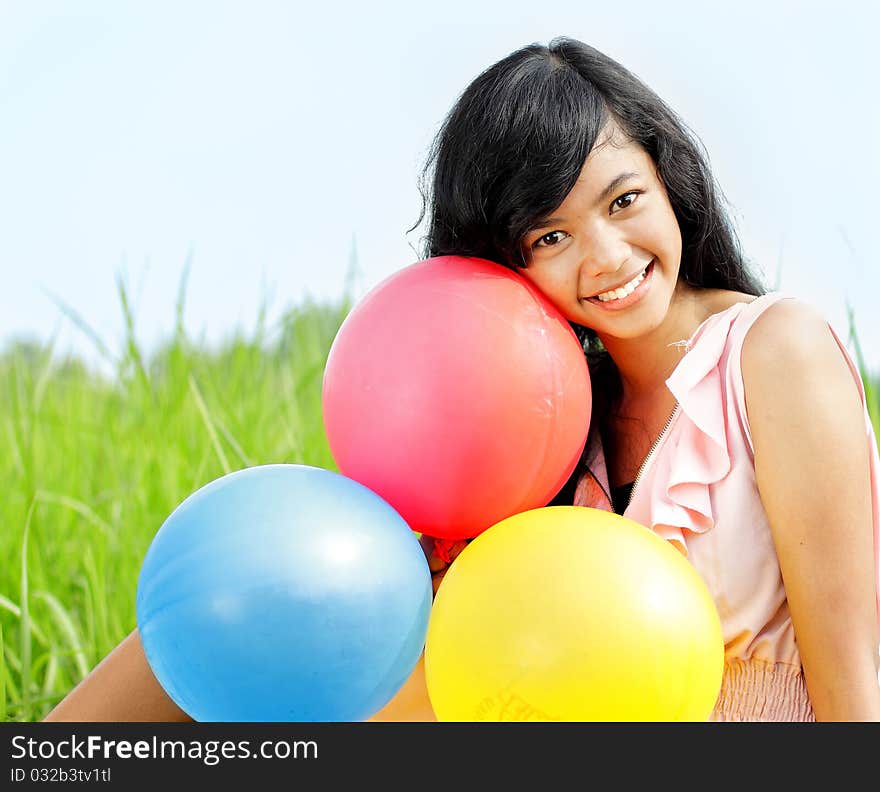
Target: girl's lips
[{"x": 633, "y": 297}]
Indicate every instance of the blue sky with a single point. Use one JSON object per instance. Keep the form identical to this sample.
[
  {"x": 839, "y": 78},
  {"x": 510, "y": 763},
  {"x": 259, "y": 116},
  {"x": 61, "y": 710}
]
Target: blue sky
[{"x": 259, "y": 140}]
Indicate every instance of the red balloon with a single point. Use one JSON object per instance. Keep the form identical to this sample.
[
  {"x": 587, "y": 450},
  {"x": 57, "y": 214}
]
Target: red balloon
[{"x": 458, "y": 393}]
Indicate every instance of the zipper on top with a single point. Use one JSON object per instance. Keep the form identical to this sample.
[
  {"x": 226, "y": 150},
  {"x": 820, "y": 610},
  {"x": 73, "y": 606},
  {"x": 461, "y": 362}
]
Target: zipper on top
[{"x": 651, "y": 453}]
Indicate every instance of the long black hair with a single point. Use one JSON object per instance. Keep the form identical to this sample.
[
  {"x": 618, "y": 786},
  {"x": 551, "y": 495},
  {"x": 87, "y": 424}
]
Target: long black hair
[{"x": 513, "y": 145}]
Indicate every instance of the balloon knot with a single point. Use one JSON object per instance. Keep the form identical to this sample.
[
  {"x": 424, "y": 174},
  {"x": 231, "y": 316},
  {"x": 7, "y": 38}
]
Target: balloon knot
[{"x": 448, "y": 549}]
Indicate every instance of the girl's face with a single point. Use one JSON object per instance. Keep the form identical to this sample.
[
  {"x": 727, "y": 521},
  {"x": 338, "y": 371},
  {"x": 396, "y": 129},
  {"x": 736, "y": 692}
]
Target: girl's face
[{"x": 609, "y": 256}]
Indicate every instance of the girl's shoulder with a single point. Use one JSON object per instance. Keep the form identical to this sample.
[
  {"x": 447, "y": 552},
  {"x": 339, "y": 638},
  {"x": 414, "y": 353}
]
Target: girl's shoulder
[
  {"x": 791, "y": 335},
  {"x": 766, "y": 320},
  {"x": 787, "y": 327},
  {"x": 787, "y": 346},
  {"x": 746, "y": 336},
  {"x": 759, "y": 332}
]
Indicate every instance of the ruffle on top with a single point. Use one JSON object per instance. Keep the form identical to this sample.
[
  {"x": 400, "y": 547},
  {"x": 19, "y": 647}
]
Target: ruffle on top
[
  {"x": 678, "y": 488},
  {"x": 672, "y": 495}
]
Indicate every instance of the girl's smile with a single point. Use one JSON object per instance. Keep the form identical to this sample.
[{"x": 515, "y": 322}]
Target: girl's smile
[{"x": 620, "y": 297}]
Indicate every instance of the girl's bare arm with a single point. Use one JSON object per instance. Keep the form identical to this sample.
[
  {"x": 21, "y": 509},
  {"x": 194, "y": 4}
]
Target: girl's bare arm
[
  {"x": 811, "y": 465},
  {"x": 121, "y": 688}
]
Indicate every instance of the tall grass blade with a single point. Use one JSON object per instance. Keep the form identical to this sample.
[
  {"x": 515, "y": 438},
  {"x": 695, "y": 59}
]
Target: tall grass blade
[
  {"x": 43, "y": 377},
  {"x": 81, "y": 323},
  {"x": 228, "y": 436},
  {"x": 134, "y": 353},
  {"x": 179, "y": 332},
  {"x": 209, "y": 424},
  {"x": 15, "y": 447},
  {"x": 65, "y": 624},
  {"x": 3, "y": 674},
  {"x": 50, "y": 678},
  {"x": 76, "y": 505},
  {"x": 36, "y": 632},
  {"x": 25, "y": 637}
]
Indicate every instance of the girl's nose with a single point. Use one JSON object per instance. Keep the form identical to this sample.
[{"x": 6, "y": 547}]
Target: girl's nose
[{"x": 603, "y": 255}]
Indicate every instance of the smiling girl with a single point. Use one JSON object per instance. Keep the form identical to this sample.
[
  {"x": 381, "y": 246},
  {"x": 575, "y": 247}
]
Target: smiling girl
[{"x": 729, "y": 420}]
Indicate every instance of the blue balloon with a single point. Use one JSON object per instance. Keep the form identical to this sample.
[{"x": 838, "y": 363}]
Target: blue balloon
[{"x": 283, "y": 593}]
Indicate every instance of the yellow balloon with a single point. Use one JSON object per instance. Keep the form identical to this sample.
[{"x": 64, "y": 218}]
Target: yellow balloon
[{"x": 568, "y": 613}]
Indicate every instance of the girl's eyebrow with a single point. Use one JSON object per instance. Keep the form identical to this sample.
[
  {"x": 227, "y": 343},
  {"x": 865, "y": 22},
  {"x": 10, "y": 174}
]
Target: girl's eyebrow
[{"x": 614, "y": 184}]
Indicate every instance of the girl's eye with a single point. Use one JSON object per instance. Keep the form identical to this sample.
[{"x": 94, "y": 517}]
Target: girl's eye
[
  {"x": 624, "y": 201},
  {"x": 549, "y": 240}
]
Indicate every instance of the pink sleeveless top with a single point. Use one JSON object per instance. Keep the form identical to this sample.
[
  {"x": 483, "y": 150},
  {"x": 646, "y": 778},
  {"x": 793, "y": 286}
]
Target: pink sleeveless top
[{"x": 697, "y": 489}]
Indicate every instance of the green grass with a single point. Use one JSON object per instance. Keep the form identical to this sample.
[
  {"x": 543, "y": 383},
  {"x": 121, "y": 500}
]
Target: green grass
[{"x": 91, "y": 467}]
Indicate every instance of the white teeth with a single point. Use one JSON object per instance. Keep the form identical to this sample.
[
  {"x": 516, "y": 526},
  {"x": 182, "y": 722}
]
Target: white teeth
[{"x": 623, "y": 291}]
